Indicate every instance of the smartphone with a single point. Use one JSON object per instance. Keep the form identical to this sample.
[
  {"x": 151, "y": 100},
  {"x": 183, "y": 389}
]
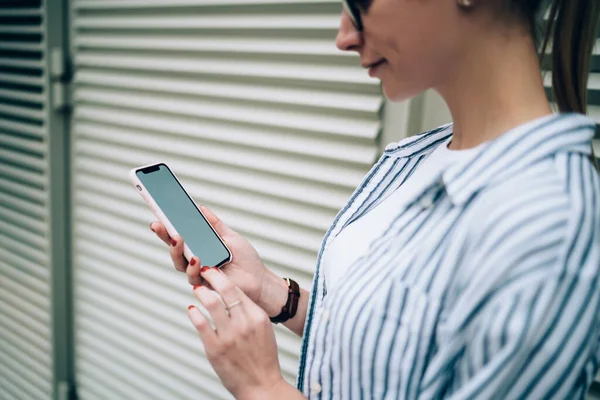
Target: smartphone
[{"x": 174, "y": 207}]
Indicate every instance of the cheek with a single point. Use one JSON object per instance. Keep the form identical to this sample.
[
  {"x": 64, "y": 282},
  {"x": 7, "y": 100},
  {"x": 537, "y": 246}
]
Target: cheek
[
  {"x": 408, "y": 72},
  {"x": 417, "y": 37},
  {"x": 416, "y": 63}
]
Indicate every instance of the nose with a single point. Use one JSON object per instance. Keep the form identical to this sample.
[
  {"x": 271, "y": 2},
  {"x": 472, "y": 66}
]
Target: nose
[{"x": 348, "y": 38}]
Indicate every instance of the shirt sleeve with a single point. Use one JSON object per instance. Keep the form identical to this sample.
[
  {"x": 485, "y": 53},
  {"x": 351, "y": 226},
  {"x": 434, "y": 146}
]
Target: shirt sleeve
[{"x": 526, "y": 323}]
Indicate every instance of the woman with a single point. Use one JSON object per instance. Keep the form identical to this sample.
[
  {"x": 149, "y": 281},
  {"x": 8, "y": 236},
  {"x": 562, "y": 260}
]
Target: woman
[{"x": 466, "y": 263}]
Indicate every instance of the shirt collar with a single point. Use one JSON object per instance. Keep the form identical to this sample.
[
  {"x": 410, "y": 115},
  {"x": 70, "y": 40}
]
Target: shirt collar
[
  {"x": 504, "y": 156},
  {"x": 517, "y": 149}
]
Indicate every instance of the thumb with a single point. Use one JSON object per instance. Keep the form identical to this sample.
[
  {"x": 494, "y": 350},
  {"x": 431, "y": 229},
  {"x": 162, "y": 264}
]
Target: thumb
[{"x": 216, "y": 223}]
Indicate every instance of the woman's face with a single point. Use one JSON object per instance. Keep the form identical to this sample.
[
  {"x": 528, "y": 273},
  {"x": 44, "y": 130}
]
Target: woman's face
[{"x": 410, "y": 45}]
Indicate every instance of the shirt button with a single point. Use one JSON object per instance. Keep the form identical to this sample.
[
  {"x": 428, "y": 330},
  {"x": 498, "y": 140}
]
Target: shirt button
[
  {"x": 325, "y": 315},
  {"x": 316, "y": 388},
  {"x": 426, "y": 201}
]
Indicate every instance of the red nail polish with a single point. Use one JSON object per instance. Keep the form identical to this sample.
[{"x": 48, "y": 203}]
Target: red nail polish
[
  {"x": 196, "y": 287},
  {"x": 193, "y": 261},
  {"x": 204, "y": 269},
  {"x": 173, "y": 242},
  {"x": 190, "y": 307}
]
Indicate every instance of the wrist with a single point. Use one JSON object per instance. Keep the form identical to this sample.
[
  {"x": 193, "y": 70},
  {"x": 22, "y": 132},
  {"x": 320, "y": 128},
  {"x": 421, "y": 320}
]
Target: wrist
[
  {"x": 273, "y": 295},
  {"x": 276, "y": 391}
]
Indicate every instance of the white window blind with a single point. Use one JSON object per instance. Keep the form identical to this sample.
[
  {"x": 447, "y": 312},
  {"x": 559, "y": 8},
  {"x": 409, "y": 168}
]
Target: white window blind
[
  {"x": 25, "y": 323},
  {"x": 261, "y": 117}
]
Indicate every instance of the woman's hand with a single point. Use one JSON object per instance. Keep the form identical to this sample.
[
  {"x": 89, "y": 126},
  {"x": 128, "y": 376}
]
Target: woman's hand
[
  {"x": 246, "y": 270},
  {"x": 242, "y": 347}
]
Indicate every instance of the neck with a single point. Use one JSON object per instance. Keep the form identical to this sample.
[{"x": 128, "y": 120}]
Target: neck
[{"x": 496, "y": 86}]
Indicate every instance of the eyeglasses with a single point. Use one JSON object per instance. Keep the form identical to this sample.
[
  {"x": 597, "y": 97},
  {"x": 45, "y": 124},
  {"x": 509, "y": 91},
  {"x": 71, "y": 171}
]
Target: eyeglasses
[{"x": 354, "y": 13}]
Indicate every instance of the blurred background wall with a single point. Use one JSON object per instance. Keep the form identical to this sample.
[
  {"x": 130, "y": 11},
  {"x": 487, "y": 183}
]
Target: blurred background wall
[{"x": 249, "y": 101}]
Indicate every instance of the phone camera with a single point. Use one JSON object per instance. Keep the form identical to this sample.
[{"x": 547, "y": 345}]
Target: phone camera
[{"x": 138, "y": 187}]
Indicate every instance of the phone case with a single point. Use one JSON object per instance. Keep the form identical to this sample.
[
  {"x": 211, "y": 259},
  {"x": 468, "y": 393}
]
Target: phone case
[{"x": 141, "y": 189}]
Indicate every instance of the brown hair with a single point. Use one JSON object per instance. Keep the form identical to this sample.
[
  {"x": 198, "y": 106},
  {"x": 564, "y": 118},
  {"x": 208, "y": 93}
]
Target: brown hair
[{"x": 571, "y": 30}]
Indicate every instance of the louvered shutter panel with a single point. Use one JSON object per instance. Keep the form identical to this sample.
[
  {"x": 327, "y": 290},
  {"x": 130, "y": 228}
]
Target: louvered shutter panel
[
  {"x": 25, "y": 323},
  {"x": 261, "y": 117}
]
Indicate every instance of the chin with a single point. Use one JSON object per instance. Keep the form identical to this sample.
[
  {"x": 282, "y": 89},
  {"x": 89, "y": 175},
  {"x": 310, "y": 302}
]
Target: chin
[{"x": 396, "y": 92}]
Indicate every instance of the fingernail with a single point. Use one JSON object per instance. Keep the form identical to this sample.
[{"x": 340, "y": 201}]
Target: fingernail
[
  {"x": 193, "y": 261},
  {"x": 190, "y": 307},
  {"x": 196, "y": 287},
  {"x": 204, "y": 269},
  {"x": 173, "y": 242},
  {"x": 151, "y": 228}
]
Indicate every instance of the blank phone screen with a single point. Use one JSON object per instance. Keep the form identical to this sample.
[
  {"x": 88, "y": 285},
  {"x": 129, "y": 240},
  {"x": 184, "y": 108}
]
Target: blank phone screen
[{"x": 183, "y": 214}]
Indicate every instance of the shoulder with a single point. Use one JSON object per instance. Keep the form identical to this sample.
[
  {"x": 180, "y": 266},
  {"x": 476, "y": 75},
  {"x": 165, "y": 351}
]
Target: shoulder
[
  {"x": 553, "y": 204},
  {"x": 540, "y": 227},
  {"x": 530, "y": 230},
  {"x": 535, "y": 187},
  {"x": 565, "y": 184}
]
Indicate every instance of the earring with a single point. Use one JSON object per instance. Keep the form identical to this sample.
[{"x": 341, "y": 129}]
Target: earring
[{"x": 466, "y": 4}]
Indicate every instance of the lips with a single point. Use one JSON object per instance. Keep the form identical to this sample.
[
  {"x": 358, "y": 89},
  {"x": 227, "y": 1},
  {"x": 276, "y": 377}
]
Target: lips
[{"x": 373, "y": 64}]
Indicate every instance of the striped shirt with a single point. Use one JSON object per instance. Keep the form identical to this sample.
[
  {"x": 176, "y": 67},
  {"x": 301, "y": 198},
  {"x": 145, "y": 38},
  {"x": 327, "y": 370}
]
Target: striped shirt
[{"x": 484, "y": 284}]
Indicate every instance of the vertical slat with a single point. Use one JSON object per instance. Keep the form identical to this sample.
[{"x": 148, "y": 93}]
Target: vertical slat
[{"x": 25, "y": 315}]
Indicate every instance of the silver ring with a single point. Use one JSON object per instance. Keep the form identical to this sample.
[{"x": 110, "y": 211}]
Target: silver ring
[{"x": 235, "y": 303}]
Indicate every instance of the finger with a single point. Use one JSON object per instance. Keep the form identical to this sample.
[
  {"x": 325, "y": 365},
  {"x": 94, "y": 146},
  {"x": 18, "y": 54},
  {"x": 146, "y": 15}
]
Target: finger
[
  {"x": 193, "y": 272},
  {"x": 160, "y": 230},
  {"x": 199, "y": 281},
  {"x": 249, "y": 305},
  {"x": 196, "y": 281},
  {"x": 176, "y": 252},
  {"x": 220, "y": 227},
  {"x": 206, "y": 284},
  {"x": 223, "y": 285},
  {"x": 200, "y": 322},
  {"x": 253, "y": 312},
  {"x": 215, "y": 307}
]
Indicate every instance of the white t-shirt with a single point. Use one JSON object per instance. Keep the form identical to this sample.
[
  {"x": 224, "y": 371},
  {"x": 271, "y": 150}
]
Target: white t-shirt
[{"x": 355, "y": 240}]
